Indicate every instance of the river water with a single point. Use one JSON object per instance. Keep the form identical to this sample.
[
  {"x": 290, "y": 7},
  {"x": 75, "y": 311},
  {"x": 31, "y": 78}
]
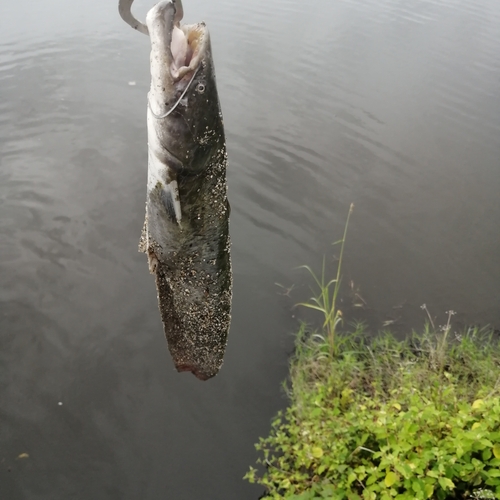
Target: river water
[{"x": 393, "y": 106}]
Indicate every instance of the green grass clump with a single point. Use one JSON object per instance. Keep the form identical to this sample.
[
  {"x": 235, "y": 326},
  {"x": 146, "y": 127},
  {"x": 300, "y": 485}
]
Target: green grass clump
[
  {"x": 325, "y": 301},
  {"x": 385, "y": 419}
]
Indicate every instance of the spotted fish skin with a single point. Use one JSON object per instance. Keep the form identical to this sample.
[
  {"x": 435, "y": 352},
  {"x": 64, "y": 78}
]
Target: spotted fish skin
[
  {"x": 193, "y": 274},
  {"x": 186, "y": 231}
]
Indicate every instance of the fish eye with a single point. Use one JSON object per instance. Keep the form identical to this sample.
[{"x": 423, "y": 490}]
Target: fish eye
[{"x": 200, "y": 88}]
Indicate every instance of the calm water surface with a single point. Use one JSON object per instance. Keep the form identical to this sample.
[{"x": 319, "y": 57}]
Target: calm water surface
[{"x": 394, "y": 106}]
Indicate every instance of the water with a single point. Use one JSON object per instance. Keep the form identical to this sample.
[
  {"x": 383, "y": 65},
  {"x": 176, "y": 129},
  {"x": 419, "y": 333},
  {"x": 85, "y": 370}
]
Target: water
[{"x": 394, "y": 106}]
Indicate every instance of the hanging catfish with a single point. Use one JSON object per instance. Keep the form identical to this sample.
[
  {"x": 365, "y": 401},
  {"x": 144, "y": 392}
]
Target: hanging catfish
[{"x": 186, "y": 231}]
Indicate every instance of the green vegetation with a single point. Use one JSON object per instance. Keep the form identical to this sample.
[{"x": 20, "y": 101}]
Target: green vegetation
[
  {"x": 383, "y": 418},
  {"x": 326, "y": 299}
]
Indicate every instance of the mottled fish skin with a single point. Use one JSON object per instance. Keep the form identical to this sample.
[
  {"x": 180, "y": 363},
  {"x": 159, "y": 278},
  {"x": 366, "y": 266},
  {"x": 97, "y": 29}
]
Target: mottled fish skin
[
  {"x": 186, "y": 232},
  {"x": 194, "y": 283}
]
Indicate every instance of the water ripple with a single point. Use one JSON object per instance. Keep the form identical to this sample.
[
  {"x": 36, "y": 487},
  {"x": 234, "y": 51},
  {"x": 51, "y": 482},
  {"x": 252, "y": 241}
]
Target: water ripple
[{"x": 391, "y": 105}]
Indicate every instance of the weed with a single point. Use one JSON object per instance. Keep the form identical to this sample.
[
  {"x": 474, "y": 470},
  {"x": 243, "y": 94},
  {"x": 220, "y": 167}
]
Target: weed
[
  {"x": 382, "y": 418},
  {"x": 326, "y": 299},
  {"x": 411, "y": 419}
]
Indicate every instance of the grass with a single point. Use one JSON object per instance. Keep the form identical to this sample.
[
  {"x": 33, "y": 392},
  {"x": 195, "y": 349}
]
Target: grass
[
  {"x": 386, "y": 419},
  {"x": 325, "y": 300},
  {"x": 380, "y": 418}
]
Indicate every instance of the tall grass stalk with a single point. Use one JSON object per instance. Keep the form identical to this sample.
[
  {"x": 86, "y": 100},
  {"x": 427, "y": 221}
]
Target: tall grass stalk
[{"x": 325, "y": 301}]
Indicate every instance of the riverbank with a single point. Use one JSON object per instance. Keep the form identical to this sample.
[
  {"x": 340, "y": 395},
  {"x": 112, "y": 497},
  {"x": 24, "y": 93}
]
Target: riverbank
[
  {"x": 374, "y": 417},
  {"x": 382, "y": 418}
]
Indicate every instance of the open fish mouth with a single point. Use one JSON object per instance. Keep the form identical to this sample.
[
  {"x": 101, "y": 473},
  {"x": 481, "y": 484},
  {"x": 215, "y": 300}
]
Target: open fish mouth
[
  {"x": 181, "y": 47},
  {"x": 177, "y": 55}
]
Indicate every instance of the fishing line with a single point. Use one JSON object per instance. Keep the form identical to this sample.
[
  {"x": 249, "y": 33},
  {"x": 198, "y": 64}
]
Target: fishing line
[{"x": 159, "y": 117}]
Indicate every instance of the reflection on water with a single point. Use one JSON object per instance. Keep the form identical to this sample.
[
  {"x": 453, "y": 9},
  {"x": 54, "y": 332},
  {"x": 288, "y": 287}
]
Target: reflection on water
[{"x": 393, "y": 106}]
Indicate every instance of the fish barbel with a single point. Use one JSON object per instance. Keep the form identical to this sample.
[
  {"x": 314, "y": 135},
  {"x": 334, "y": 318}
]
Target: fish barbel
[{"x": 186, "y": 231}]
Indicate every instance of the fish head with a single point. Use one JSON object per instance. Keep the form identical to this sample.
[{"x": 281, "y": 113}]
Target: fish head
[{"x": 184, "y": 117}]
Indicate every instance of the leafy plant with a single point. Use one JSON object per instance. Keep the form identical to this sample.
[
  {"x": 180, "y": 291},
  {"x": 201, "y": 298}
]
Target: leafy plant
[
  {"x": 326, "y": 299},
  {"x": 384, "y": 421}
]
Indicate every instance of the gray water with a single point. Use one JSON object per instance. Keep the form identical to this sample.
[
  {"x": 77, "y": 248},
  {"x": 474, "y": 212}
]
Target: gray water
[{"x": 393, "y": 106}]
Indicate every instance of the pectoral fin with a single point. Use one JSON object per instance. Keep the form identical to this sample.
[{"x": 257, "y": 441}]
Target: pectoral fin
[
  {"x": 171, "y": 200},
  {"x": 163, "y": 187}
]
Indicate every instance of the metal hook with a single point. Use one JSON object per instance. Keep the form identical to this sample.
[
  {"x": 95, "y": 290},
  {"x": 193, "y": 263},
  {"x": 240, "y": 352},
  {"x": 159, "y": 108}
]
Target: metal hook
[
  {"x": 160, "y": 117},
  {"x": 124, "y": 8}
]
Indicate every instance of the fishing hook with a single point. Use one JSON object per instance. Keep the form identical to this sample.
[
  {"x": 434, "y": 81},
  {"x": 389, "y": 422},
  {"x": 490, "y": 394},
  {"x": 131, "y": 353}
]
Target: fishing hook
[
  {"x": 125, "y": 10},
  {"x": 159, "y": 117}
]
